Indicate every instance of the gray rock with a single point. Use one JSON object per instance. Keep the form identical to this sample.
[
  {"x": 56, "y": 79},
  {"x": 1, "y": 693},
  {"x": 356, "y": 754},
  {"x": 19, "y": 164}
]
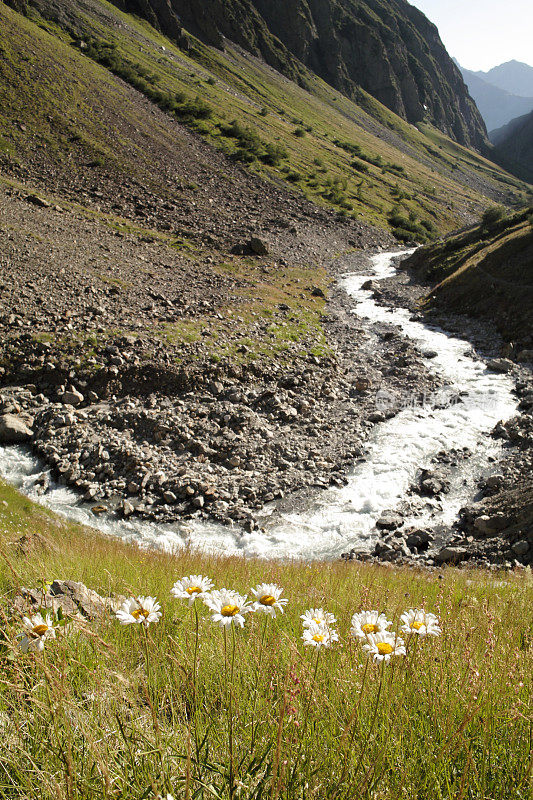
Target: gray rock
[
  {"x": 71, "y": 597},
  {"x": 258, "y": 246},
  {"x": 72, "y": 398},
  {"x": 500, "y": 365},
  {"x": 389, "y": 521},
  {"x": 14, "y": 430},
  {"x": 451, "y": 555},
  {"x": 521, "y": 547}
]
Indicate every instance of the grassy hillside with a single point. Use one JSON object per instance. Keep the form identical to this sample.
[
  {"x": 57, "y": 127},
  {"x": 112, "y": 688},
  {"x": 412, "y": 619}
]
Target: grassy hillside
[
  {"x": 486, "y": 272},
  {"x": 64, "y": 87},
  {"x": 108, "y": 712}
]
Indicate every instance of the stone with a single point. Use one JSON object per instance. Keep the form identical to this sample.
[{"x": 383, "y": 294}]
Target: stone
[
  {"x": 35, "y": 200},
  {"x": 14, "y": 429},
  {"x": 72, "y": 398},
  {"x": 258, "y": 246},
  {"x": 525, "y": 355},
  {"x": 451, "y": 555},
  {"x": 316, "y": 291},
  {"x": 500, "y": 365},
  {"x": 127, "y": 508},
  {"x": 389, "y": 521},
  {"x": 521, "y": 547},
  {"x": 73, "y": 598}
]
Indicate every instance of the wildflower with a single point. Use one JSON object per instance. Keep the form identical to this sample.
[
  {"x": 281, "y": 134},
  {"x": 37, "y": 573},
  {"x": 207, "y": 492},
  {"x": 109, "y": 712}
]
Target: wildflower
[
  {"x": 319, "y": 635},
  {"x": 38, "y": 628},
  {"x": 420, "y": 622},
  {"x": 268, "y": 598},
  {"x": 229, "y": 607},
  {"x": 317, "y": 616},
  {"x": 366, "y": 622},
  {"x": 142, "y": 610},
  {"x": 381, "y": 646},
  {"x": 191, "y": 587}
]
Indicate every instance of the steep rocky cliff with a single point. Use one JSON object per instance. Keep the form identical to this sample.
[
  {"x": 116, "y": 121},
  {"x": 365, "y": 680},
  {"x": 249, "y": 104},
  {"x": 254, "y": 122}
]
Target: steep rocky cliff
[{"x": 387, "y": 47}]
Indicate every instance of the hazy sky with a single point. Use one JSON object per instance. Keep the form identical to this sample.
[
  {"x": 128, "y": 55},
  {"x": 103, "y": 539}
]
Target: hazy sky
[{"x": 483, "y": 33}]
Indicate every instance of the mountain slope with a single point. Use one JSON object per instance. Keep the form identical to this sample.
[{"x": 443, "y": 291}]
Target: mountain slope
[
  {"x": 514, "y": 77},
  {"x": 496, "y": 105},
  {"x": 58, "y": 112},
  {"x": 485, "y": 272},
  {"x": 389, "y": 49},
  {"x": 514, "y": 146}
]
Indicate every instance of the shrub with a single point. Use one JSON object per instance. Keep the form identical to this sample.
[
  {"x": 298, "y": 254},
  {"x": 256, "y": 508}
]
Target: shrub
[{"x": 491, "y": 216}]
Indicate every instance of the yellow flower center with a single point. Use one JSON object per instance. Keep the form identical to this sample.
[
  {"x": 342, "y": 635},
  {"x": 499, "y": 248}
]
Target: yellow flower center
[
  {"x": 318, "y": 620},
  {"x": 140, "y": 612},
  {"x": 194, "y": 590},
  {"x": 318, "y": 637},
  {"x": 368, "y": 627},
  {"x": 229, "y": 611},
  {"x": 267, "y": 600},
  {"x": 384, "y": 648},
  {"x": 416, "y": 625},
  {"x": 40, "y": 630}
]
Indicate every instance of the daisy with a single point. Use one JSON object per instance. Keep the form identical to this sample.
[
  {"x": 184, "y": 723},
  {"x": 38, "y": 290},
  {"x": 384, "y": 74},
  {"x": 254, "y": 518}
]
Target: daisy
[
  {"x": 318, "y": 635},
  {"x": 420, "y": 622},
  {"x": 317, "y": 616},
  {"x": 139, "y": 609},
  {"x": 38, "y": 628},
  {"x": 228, "y": 607},
  {"x": 381, "y": 646},
  {"x": 268, "y": 598},
  {"x": 367, "y": 622},
  {"x": 191, "y": 587}
]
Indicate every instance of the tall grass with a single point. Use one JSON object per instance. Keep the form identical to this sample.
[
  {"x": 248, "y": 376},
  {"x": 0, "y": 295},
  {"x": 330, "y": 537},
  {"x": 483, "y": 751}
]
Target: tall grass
[{"x": 108, "y": 711}]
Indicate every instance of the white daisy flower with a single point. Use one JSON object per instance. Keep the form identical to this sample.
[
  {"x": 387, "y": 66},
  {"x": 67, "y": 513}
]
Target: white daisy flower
[
  {"x": 268, "y": 598},
  {"x": 319, "y": 635},
  {"x": 367, "y": 622},
  {"x": 38, "y": 628},
  {"x": 317, "y": 616},
  {"x": 228, "y": 607},
  {"x": 381, "y": 646},
  {"x": 420, "y": 622},
  {"x": 142, "y": 610},
  {"x": 191, "y": 587}
]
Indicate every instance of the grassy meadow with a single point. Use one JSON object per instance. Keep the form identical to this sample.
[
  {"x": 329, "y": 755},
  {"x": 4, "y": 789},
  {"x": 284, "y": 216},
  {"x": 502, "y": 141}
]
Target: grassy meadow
[{"x": 113, "y": 711}]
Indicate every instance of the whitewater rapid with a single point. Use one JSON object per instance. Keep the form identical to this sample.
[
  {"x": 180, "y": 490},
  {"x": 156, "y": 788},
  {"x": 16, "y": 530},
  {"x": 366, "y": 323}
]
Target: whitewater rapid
[{"x": 340, "y": 519}]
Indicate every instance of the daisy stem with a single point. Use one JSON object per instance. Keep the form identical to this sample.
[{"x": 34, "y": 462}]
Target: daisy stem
[
  {"x": 306, "y": 716},
  {"x": 229, "y": 703},
  {"x": 374, "y": 715},
  {"x": 257, "y": 674},
  {"x": 350, "y": 724},
  {"x": 194, "y": 680}
]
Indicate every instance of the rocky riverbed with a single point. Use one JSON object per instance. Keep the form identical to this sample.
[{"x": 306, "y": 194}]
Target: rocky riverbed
[{"x": 216, "y": 443}]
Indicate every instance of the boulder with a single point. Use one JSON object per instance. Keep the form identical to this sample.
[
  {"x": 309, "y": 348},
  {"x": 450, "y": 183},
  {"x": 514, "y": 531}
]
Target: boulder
[
  {"x": 258, "y": 246},
  {"x": 389, "y": 521},
  {"x": 521, "y": 547},
  {"x": 14, "y": 429},
  {"x": 451, "y": 555},
  {"x": 72, "y": 398},
  {"x": 73, "y": 598},
  {"x": 500, "y": 365}
]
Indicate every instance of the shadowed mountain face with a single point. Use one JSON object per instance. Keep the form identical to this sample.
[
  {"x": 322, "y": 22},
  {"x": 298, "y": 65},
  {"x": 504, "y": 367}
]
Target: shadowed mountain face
[
  {"x": 514, "y": 146},
  {"x": 514, "y": 77},
  {"x": 497, "y": 106},
  {"x": 387, "y": 47}
]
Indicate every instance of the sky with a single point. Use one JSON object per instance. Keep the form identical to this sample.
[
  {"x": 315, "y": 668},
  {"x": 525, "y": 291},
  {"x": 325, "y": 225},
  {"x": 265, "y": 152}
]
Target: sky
[{"x": 481, "y": 34}]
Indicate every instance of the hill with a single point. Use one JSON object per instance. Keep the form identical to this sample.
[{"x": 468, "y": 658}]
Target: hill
[
  {"x": 485, "y": 272},
  {"x": 360, "y": 160},
  {"x": 497, "y": 106},
  {"x": 514, "y": 146},
  {"x": 514, "y": 77}
]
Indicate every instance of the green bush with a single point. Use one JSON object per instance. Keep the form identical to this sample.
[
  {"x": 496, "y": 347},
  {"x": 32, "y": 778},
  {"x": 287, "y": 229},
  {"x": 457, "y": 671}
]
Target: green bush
[{"x": 491, "y": 216}]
